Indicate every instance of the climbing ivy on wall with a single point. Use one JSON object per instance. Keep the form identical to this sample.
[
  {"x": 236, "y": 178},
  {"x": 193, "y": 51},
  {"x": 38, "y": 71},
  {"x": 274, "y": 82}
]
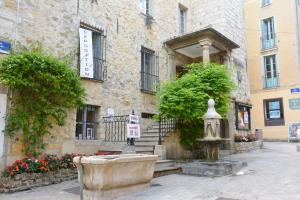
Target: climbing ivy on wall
[
  {"x": 186, "y": 98},
  {"x": 44, "y": 88}
]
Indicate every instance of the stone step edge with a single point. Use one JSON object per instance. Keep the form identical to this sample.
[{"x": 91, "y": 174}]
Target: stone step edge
[{"x": 167, "y": 171}]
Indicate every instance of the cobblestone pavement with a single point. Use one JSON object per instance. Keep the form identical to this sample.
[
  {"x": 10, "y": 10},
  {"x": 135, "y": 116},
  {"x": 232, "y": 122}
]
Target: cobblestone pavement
[{"x": 273, "y": 173}]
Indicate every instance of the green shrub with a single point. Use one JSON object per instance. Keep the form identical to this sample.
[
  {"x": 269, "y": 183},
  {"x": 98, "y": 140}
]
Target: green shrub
[
  {"x": 44, "y": 88},
  {"x": 186, "y": 98}
]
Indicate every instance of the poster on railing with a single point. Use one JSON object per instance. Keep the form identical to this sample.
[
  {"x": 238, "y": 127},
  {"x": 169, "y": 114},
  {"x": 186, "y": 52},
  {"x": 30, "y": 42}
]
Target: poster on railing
[
  {"x": 294, "y": 131},
  {"x": 133, "y": 131}
]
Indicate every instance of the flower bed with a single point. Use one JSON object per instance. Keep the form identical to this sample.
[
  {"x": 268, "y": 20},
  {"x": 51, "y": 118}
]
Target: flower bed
[{"x": 49, "y": 169}]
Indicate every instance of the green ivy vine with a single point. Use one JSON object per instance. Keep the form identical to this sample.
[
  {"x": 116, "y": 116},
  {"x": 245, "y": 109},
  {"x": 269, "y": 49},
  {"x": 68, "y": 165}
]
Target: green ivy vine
[
  {"x": 44, "y": 88},
  {"x": 186, "y": 98}
]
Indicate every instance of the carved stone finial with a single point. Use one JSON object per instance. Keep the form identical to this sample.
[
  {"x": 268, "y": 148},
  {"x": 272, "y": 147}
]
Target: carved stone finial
[{"x": 211, "y": 112}]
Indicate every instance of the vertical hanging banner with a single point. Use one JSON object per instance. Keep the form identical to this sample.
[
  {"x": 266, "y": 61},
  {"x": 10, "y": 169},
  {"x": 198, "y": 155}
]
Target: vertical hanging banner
[{"x": 86, "y": 53}]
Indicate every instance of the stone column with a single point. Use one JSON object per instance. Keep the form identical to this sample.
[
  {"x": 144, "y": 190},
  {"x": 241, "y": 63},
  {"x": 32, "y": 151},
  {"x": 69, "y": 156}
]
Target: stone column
[
  {"x": 171, "y": 65},
  {"x": 205, "y": 44}
]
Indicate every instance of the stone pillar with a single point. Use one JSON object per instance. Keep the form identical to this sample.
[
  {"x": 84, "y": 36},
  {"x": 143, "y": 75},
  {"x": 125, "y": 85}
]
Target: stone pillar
[
  {"x": 205, "y": 44},
  {"x": 171, "y": 65}
]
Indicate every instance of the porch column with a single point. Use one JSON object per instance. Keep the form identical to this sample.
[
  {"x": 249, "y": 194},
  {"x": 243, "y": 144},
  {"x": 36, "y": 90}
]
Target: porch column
[
  {"x": 171, "y": 64},
  {"x": 205, "y": 44}
]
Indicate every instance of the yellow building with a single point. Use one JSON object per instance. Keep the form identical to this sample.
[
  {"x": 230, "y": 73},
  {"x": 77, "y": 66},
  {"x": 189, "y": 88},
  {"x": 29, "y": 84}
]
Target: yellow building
[{"x": 273, "y": 42}]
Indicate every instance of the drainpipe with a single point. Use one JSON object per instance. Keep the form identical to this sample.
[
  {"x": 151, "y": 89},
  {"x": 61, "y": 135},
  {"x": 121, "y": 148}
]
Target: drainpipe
[{"x": 298, "y": 37}]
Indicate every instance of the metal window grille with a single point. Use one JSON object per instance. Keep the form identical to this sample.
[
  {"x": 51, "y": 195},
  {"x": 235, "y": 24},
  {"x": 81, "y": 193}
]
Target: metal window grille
[
  {"x": 86, "y": 122},
  {"x": 99, "y": 40},
  {"x": 149, "y": 70}
]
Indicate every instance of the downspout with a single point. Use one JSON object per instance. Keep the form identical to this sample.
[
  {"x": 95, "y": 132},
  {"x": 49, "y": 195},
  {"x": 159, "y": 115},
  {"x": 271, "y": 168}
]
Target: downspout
[{"x": 298, "y": 37}]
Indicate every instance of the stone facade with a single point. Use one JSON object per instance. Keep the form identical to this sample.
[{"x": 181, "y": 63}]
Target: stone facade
[{"x": 55, "y": 24}]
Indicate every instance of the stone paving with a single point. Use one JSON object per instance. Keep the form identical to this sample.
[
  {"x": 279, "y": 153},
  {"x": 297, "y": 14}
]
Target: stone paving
[{"x": 273, "y": 173}]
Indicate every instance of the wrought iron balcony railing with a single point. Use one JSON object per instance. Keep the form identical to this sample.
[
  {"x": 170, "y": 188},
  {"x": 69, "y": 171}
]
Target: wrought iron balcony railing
[
  {"x": 271, "y": 82},
  {"x": 268, "y": 41}
]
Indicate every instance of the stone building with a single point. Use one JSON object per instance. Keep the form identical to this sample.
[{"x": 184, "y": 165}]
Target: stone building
[{"x": 136, "y": 44}]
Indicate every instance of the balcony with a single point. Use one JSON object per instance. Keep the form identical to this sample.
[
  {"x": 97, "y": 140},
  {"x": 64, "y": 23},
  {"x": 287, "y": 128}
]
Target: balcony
[
  {"x": 149, "y": 82},
  {"x": 268, "y": 41},
  {"x": 271, "y": 82}
]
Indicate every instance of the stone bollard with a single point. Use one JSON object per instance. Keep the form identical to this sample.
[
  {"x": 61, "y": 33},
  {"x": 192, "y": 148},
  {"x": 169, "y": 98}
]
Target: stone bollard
[{"x": 212, "y": 137}]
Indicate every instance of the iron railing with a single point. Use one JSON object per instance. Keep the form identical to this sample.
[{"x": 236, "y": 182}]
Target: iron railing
[
  {"x": 271, "y": 82},
  {"x": 166, "y": 126},
  {"x": 149, "y": 82},
  {"x": 115, "y": 128},
  {"x": 268, "y": 41}
]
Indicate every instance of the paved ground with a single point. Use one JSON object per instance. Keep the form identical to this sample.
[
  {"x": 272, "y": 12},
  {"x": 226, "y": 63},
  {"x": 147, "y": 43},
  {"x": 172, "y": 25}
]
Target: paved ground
[{"x": 273, "y": 173}]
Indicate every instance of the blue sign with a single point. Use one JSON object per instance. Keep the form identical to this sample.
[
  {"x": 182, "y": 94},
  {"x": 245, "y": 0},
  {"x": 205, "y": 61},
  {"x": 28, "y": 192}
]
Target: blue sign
[
  {"x": 295, "y": 90},
  {"x": 5, "y": 47}
]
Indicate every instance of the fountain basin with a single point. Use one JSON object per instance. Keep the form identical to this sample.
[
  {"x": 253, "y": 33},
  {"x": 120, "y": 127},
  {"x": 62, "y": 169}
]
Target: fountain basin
[{"x": 110, "y": 176}]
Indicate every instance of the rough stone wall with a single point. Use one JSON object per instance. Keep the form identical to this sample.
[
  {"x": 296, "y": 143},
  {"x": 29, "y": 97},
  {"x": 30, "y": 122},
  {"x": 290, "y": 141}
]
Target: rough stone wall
[{"x": 55, "y": 24}]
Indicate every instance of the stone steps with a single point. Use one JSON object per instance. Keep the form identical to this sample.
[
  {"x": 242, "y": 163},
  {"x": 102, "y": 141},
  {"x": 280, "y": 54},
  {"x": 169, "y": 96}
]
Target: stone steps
[{"x": 165, "y": 167}]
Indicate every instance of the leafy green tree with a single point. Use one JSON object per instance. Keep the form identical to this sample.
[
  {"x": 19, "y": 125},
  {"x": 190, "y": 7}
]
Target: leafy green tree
[
  {"x": 186, "y": 98},
  {"x": 44, "y": 88}
]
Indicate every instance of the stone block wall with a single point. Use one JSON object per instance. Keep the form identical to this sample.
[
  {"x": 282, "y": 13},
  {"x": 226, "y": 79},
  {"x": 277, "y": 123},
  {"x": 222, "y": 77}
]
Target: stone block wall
[
  {"x": 55, "y": 24},
  {"x": 242, "y": 147}
]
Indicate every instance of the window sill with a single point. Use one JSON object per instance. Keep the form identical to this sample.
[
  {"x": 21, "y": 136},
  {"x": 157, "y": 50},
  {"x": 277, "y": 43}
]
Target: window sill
[
  {"x": 92, "y": 79},
  {"x": 271, "y": 88},
  {"x": 268, "y": 49},
  {"x": 148, "y": 92}
]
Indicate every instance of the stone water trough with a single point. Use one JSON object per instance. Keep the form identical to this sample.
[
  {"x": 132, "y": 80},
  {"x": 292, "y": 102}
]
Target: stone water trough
[{"x": 111, "y": 176}]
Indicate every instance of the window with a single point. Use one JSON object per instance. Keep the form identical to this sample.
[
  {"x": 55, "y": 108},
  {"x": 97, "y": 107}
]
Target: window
[
  {"x": 147, "y": 115},
  {"x": 86, "y": 122},
  {"x": 149, "y": 71},
  {"x": 243, "y": 121},
  {"x": 92, "y": 53},
  {"x": 145, "y": 7},
  {"x": 182, "y": 19},
  {"x": 266, "y": 2},
  {"x": 273, "y": 111},
  {"x": 268, "y": 33},
  {"x": 1, "y": 3},
  {"x": 271, "y": 75}
]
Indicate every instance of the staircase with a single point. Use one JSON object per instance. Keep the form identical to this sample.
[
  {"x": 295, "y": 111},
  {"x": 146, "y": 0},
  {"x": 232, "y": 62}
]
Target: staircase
[
  {"x": 146, "y": 144},
  {"x": 149, "y": 138}
]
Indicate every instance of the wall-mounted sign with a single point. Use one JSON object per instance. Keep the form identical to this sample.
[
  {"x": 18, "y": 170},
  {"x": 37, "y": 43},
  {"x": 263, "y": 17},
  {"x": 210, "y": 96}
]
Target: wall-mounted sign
[
  {"x": 86, "y": 53},
  {"x": 294, "y": 131},
  {"x": 134, "y": 119},
  {"x": 295, "y": 90},
  {"x": 110, "y": 112},
  {"x": 294, "y": 103},
  {"x": 133, "y": 131},
  {"x": 5, "y": 47}
]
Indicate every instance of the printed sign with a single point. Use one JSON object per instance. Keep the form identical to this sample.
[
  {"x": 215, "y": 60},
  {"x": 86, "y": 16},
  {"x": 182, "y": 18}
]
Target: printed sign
[
  {"x": 295, "y": 90},
  {"x": 133, "y": 131},
  {"x": 294, "y": 130},
  {"x": 294, "y": 104},
  {"x": 86, "y": 53},
  {"x": 134, "y": 119},
  {"x": 5, "y": 47},
  {"x": 110, "y": 112},
  {"x": 275, "y": 114},
  {"x": 246, "y": 117}
]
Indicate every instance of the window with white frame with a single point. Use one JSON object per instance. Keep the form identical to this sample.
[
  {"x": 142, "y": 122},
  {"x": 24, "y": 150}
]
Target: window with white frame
[
  {"x": 145, "y": 6},
  {"x": 86, "y": 122},
  {"x": 271, "y": 75},
  {"x": 182, "y": 19},
  {"x": 265, "y": 2},
  {"x": 92, "y": 53},
  {"x": 268, "y": 33}
]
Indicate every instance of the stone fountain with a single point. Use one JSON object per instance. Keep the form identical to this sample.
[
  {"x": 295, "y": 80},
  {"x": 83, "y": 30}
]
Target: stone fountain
[
  {"x": 212, "y": 166},
  {"x": 212, "y": 139}
]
